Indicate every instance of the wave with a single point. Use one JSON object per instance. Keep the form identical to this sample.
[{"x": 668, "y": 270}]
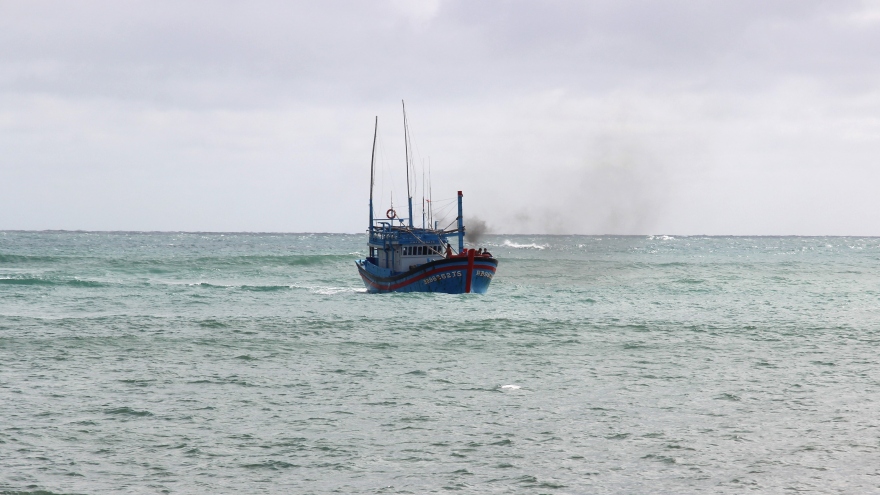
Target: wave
[
  {"x": 253, "y": 288},
  {"x": 211, "y": 323},
  {"x": 329, "y": 291},
  {"x": 49, "y": 282},
  {"x": 154, "y": 265},
  {"x": 207, "y": 285},
  {"x": 20, "y": 258},
  {"x": 283, "y": 260},
  {"x": 265, "y": 288},
  {"x": 86, "y": 283},
  {"x": 127, "y": 411},
  {"x": 315, "y": 289},
  {"x": 26, "y": 281},
  {"x": 515, "y": 245},
  {"x": 271, "y": 465}
]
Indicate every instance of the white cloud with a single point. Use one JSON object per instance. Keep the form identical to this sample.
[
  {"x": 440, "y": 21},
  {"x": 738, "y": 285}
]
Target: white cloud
[
  {"x": 593, "y": 117},
  {"x": 419, "y": 11}
]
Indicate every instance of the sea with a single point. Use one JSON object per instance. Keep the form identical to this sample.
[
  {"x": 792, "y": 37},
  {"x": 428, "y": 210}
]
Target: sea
[{"x": 257, "y": 363}]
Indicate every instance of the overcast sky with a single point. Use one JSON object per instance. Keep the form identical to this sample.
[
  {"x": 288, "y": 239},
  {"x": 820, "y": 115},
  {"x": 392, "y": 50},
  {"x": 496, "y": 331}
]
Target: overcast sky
[{"x": 584, "y": 117}]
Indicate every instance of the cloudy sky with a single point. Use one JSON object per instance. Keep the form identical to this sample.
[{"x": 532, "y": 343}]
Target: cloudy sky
[{"x": 587, "y": 117}]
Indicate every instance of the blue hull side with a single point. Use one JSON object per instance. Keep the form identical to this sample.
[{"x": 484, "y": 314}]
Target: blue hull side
[{"x": 448, "y": 275}]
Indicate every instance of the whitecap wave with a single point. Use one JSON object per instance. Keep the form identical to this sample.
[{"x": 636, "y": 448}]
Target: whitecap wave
[
  {"x": 330, "y": 291},
  {"x": 507, "y": 243},
  {"x": 511, "y": 387}
]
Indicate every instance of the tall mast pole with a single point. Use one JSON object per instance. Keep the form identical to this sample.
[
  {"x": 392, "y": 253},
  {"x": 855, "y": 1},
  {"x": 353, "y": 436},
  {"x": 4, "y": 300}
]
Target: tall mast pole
[
  {"x": 430, "y": 198},
  {"x": 423, "y": 193},
  {"x": 460, "y": 225},
  {"x": 373, "y": 172},
  {"x": 406, "y": 145}
]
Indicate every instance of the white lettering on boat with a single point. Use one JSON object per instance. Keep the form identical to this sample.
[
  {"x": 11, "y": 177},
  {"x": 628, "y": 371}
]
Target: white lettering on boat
[{"x": 441, "y": 276}]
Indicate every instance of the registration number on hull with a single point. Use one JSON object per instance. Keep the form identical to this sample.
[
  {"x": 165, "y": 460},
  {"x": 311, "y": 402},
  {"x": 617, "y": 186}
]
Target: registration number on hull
[{"x": 441, "y": 276}]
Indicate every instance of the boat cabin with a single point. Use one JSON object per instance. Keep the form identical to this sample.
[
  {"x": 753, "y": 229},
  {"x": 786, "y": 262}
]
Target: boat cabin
[{"x": 401, "y": 249}]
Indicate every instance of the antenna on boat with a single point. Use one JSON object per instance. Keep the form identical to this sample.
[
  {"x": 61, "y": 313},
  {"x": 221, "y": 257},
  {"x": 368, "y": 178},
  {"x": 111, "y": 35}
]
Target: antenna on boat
[
  {"x": 373, "y": 170},
  {"x": 460, "y": 225},
  {"x": 423, "y": 193},
  {"x": 406, "y": 145},
  {"x": 430, "y": 198}
]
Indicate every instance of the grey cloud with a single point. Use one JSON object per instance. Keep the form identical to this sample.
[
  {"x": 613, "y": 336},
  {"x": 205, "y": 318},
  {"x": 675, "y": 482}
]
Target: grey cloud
[
  {"x": 512, "y": 100},
  {"x": 207, "y": 50}
]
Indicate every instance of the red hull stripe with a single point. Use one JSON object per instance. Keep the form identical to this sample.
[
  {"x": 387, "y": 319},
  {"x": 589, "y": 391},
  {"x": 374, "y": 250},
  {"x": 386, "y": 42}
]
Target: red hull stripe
[{"x": 490, "y": 268}]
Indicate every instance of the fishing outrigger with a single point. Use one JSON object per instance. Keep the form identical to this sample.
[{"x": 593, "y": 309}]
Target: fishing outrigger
[{"x": 403, "y": 258}]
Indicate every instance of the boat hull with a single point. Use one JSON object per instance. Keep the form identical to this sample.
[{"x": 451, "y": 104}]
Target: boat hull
[{"x": 457, "y": 275}]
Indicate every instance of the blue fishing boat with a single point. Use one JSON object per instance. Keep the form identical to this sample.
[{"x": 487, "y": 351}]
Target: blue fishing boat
[{"x": 405, "y": 258}]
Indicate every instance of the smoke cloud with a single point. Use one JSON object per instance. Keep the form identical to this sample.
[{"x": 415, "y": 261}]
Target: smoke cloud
[
  {"x": 475, "y": 228},
  {"x": 619, "y": 187}
]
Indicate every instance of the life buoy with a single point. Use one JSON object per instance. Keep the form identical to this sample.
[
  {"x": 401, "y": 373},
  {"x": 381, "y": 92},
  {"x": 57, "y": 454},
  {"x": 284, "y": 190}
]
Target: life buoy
[{"x": 391, "y": 214}]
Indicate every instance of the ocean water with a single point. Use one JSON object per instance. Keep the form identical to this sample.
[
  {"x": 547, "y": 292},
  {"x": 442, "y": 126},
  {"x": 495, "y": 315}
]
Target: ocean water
[{"x": 256, "y": 363}]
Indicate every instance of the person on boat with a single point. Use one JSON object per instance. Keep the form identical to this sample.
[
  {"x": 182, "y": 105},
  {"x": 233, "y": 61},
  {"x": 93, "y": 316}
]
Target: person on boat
[
  {"x": 448, "y": 250},
  {"x": 480, "y": 252}
]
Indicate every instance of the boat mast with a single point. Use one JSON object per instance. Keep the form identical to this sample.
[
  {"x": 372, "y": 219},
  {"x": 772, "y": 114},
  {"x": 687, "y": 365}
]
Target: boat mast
[
  {"x": 423, "y": 194},
  {"x": 406, "y": 145},
  {"x": 430, "y": 199},
  {"x": 460, "y": 225},
  {"x": 373, "y": 171}
]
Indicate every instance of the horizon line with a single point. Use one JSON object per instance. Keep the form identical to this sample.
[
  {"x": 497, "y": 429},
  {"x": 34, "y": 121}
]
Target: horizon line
[{"x": 256, "y": 232}]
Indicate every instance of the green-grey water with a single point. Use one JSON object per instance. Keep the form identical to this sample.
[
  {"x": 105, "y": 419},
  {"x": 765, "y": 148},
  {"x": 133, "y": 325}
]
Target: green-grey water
[{"x": 256, "y": 363}]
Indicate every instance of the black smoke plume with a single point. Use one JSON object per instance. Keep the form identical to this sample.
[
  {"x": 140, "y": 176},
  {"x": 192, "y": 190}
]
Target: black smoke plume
[{"x": 474, "y": 230}]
